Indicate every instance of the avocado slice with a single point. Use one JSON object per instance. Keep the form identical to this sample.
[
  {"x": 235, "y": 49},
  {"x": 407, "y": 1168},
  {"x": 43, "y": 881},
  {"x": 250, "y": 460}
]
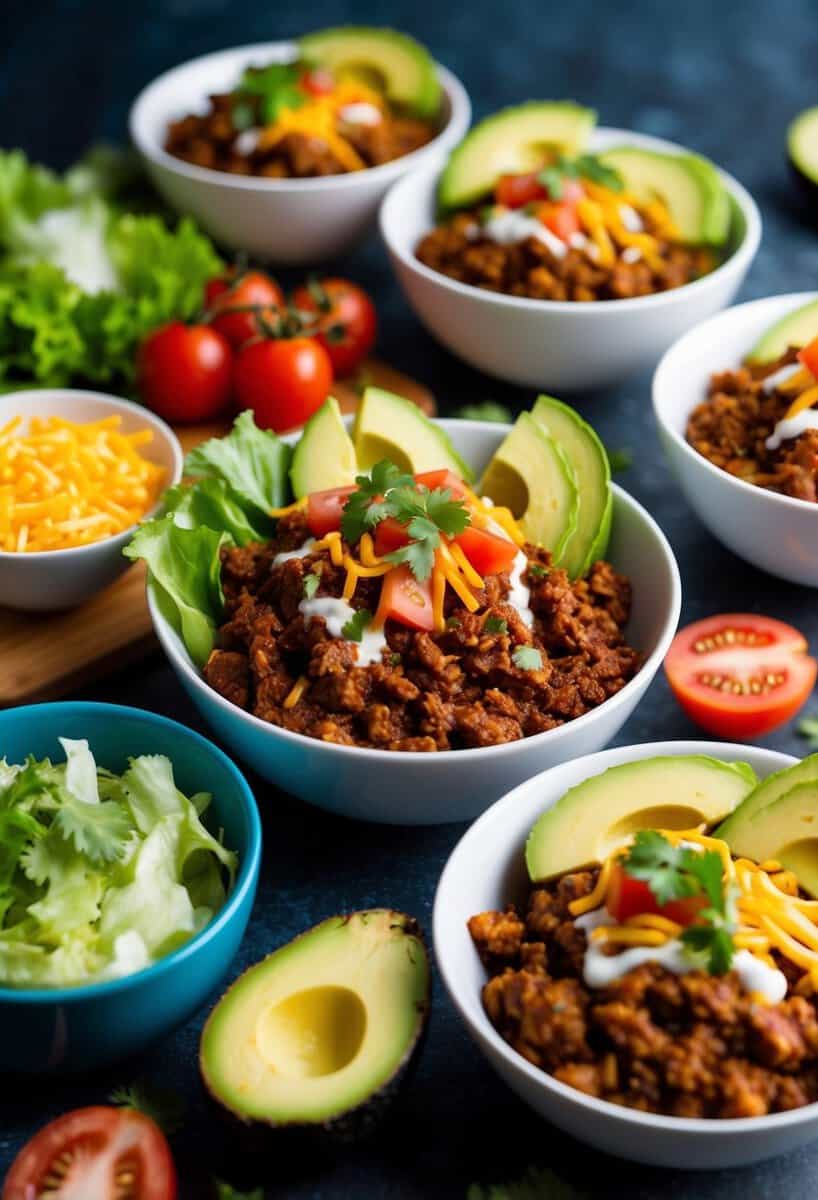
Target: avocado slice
[
  {"x": 512, "y": 141},
  {"x": 768, "y": 792},
  {"x": 320, "y": 1033},
  {"x": 324, "y": 456},
  {"x": 786, "y": 830},
  {"x": 689, "y": 185},
  {"x": 530, "y": 474},
  {"x": 388, "y": 426},
  {"x": 795, "y": 329},
  {"x": 592, "y": 819},
  {"x": 592, "y": 471},
  {"x": 399, "y": 66},
  {"x": 802, "y": 148}
]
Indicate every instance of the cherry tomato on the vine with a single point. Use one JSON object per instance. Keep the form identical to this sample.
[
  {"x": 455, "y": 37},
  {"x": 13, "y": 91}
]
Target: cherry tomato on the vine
[
  {"x": 345, "y": 320},
  {"x": 229, "y": 302},
  {"x": 184, "y": 372},
  {"x": 283, "y": 380}
]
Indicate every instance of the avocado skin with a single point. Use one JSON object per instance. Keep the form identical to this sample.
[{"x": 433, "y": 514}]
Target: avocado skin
[{"x": 257, "y": 1137}]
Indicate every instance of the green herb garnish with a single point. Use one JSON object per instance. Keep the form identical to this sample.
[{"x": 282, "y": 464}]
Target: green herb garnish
[
  {"x": 276, "y": 85},
  {"x": 368, "y": 505},
  {"x": 354, "y": 628},
  {"x": 677, "y": 872},
  {"x": 394, "y": 660},
  {"x": 311, "y": 583},
  {"x": 495, "y": 625},
  {"x": 583, "y": 166},
  {"x": 620, "y": 459},
  {"x": 807, "y": 728},
  {"x": 527, "y": 658},
  {"x": 453, "y": 623},
  {"x": 537, "y": 570},
  {"x": 165, "y": 1107},
  {"x": 485, "y": 410}
]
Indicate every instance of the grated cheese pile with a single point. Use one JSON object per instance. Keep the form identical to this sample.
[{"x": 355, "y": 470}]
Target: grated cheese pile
[
  {"x": 319, "y": 118},
  {"x": 772, "y": 915},
  {"x": 64, "y": 484},
  {"x": 805, "y": 389},
  {"x": 601, "y": 215}
]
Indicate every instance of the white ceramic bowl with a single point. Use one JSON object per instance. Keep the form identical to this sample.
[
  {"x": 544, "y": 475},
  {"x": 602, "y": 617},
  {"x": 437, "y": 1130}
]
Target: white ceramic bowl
[
  {"x": 777, "y": 533},
  {"x": 401, "y": 788},
  {"x": 486, "y": 871},
  {"x": 286, "y": 221},
  {"x": 50, "y": 580},
  {"x": 552, "y": 344}
]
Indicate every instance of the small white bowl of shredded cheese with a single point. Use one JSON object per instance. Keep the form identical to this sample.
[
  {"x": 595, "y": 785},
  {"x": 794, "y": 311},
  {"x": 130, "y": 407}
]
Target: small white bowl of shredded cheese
[{"x": 777, "y": 533}]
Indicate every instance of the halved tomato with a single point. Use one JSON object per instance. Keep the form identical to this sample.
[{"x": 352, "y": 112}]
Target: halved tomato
[
  {"x": 390, "y": 534},
  {"x": 406, "y": 600},
  {"x": 809, "y": 356},
  {"x": 515, "y": 191},
  {"x": 740, "y": 675},
  {"x": 629, "y": 897},
  {"x": 561, "y": 219},
  {"x": 324, "y": 510},
  {"x": 487, "y": 553},
  {"x": 94, "y": 1153},
  {"x": 442, "y": 479}
]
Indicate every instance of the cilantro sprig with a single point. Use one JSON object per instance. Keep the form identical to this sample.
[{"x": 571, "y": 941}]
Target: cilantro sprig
[
  {"x": 389, "y": 492},
  {"x": 275, "y": 87},
  {"x": 527, "y": 658},
  {"x": 678, "y": 872},
  {"x": 353, "y": 629},
  {"x": 583, "y": 166}
]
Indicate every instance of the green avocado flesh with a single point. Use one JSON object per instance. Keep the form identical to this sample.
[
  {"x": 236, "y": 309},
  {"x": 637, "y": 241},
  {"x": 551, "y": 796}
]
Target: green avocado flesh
[
  {"x": 592, "y": 470},
  {"x": 530, "y": 474},
  {"x": 802, "y": 144},
  {"x": 511, "y": 142},
  {"x": 398, "y": 65},
  {"x": 795, "y": 329},
  {"x": 387, "y": 426},
  {"x": 324, "y": 456},
  {"x": 785, "y": 829},
  {"x": 323, "y": 1025},
  {"x": 768, "y": 792},
  {"x": 592, "y": 819},
  {"x": 689, "y": 186}
]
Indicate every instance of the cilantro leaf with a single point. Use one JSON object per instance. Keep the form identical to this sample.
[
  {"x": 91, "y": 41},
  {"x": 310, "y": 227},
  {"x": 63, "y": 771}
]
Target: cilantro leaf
[
  {"x": 448, "y": 513},
  {"x": 485, "y": 410},
  {"x": 453, "y": 623},
  {"x": 527, "y": 658},
  {"x": 165, "y": 1107},
  {"x": 354, "y": 628},
  {"x": 311, "y": 583},
  {"x": 807, "y": 728},
  {"x": 712, "y": 940},
  {"x": 495, "y": 625},
  {"x": 582, "y": 166},
  {"x": 707, "y": 868},
  {"x": 661, "y": 865},
  {"x": 370, "y": 503},
  {"x": 537, "y": 570}
]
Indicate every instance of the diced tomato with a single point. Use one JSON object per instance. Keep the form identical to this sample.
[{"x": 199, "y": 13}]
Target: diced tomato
[
  {"x": 406, "y": 600},
  {"x": 628, "y": 897},
  {"x": 809, "y": 356},
  {"x": 324, "y": 510},
  {"x": 390, "y": 535},
  {"x": 515, "y": 191},
  {"x": 487, "y": 553},
  {"x": 561, "y": 219},
  {"x": 572, "y": 191},
  {"x": 442, "y": 479},
  {"x": 318, "y": 82},
  {"x": 740, "y": 675}
]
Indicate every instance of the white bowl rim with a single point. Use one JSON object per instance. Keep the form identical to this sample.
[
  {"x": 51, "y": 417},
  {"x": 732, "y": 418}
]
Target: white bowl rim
[
  {"x": 650, "y": 665},
  {"x": 743, "y": 253},
  {"x": 72, "y": 553},
  {"x": 459, "y": 104},
  {"x": 663, "y": 370},
  {"x": 484, "y": 1030}
]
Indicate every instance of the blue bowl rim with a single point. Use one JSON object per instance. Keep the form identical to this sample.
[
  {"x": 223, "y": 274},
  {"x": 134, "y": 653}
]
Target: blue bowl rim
[{"x": 245, "y": 882}]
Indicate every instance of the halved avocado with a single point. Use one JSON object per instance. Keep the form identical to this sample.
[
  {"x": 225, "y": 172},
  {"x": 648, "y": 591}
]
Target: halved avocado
[
  {"x": 802, "y": 148},
  {"x": 319, "y": 1034},
  {"x": 324, "y": 456},
  {"x": 510, "y": 142},
  {"x": 530, "y": 474},
  {"x": 400, "y": 66},
  {"x": 593, "y": 477},
  {"x": 689, "y": 186},
  {"x": 795, "y": 329},
  {"x": 388, "y": 426},
  {"x": 786, "y": 830},
  {"x": 592, "y": 819},
  {"x": 768, "y": 791}
]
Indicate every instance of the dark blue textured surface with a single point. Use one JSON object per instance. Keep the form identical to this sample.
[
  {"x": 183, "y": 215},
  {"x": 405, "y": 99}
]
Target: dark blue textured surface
[{"x": 724, "y": 79}]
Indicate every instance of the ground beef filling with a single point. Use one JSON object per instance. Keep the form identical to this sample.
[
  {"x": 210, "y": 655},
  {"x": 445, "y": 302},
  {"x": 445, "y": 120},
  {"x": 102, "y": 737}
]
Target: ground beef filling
[
  {"x": 459, "y": 688},
  {"x": 529, "y": 268},
  {"x": 731, "y": 426},
  {"x": 692, "y": 1045},
  {"x": 213, "y": 141}
]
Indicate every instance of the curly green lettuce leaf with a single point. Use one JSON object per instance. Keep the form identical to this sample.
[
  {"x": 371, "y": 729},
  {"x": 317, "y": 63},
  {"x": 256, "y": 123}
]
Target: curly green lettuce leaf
[
  {"x": 186, "y": 566},
  {"x": 252, "y": 461}
]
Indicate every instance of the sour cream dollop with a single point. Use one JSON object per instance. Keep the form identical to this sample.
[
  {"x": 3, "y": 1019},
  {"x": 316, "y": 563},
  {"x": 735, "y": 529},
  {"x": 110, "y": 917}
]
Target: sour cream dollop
[
  {"x": 792, "y": 427},
  {"x": 302, "y": 552},
  {"x": 336, "y": 613},
  {"x": 506, "y": 226}
]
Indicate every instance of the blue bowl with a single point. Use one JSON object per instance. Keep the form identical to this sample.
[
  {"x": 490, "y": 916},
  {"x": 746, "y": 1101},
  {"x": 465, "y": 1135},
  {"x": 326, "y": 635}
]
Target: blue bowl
[{"x": 76, "y": 1029}]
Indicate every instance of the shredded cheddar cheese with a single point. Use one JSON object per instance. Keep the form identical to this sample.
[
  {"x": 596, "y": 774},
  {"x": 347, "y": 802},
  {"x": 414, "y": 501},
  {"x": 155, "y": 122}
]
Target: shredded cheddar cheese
[
  {"x": 806, "y": 400},
  {"x": 438, "y": 595},
  {"x": 296, "y": 692},
  {"x": 64, "y": 484},
  {"x": 318, "y": 118},
  {"x": 296, "y": 506}
]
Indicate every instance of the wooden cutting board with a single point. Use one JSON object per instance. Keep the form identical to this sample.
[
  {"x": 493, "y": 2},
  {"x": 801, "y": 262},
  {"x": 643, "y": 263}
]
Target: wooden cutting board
[{"x": 43, "y": 656}]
